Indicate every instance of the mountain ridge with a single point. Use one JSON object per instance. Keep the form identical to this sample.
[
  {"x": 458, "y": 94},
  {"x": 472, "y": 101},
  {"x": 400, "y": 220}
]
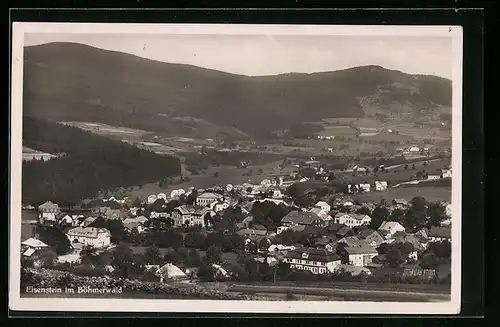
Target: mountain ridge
[{"x": 72, "y": 81}]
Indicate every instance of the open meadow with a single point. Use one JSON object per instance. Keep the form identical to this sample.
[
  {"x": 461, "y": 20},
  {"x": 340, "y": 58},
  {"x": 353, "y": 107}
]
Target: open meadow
[{"x": 407, "y": 193}]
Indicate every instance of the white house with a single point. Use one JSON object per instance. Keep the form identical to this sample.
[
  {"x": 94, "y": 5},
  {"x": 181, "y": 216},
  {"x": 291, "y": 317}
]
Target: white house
[
  {"x": 161, "y": 196},
  {"x": 352, "y": 219},
  {"x": 380, "y": 185},
  {"x": 31, "y": 245},
  {"x": 190, "y": 214},
  {"x": 365, "y": 187},
  {"x": 152, "y": 198},
  {"x": 439, "y": 234},
  {"x": 391, "y": 227},
  {"x": 360, "y": 256},
  {"x": 314, "y": 260},
  {"x": 96, "y": 237},
  {"x": 47, "y": 212},
  {"x": 219, "y": 206},
  {"x": 323, "y": 206},
  {"x": 206, "y": 199},
  {"x": 177, "y": 193},
  {"x": 446, "y": 173},
  {"x": 433, "y": 177},
  {"x": 414, "y": 149}
]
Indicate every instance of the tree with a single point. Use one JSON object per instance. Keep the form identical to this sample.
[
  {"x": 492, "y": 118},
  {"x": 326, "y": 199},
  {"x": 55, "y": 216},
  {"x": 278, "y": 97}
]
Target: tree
[
  {"x": 194, "y": 259},
  {"x": 169, "y": 222},
  {"x": 88, "y": 255},
  {"x": 397, "y": 215},
  {"x": 233, "y": 243},
  {"x": 437, "y": 213},
  {"x": 55, "y": 238},
  {"x": 414, "y": 220},
  {"x": 213, "y": 255},
  {"x": 152, "y": 255},
  {"x": 206, "y": 273},
  {"x": 394, "y": 258},
  {"x": 379, "y": 215},
  {"x": 194, "y": 240},
  {"x": 419, "y": 204},
  {"x": 363, "y": 211},
  {"x": 216, "y": 174},
  {"x": 413, "y": 167},
  {"x": 137, "y": 203},
  {"x": 260, "y": 171}
]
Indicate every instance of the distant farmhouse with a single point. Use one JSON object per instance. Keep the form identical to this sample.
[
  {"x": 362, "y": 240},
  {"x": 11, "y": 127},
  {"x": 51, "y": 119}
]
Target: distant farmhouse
[{"x": 30, "y": 154}]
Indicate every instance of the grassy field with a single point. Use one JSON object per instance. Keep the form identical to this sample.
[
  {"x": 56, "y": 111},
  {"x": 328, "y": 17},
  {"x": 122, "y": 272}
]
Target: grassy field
[
  {"x": 408, "y": 193},
  {"x": 395, "y": 175}
]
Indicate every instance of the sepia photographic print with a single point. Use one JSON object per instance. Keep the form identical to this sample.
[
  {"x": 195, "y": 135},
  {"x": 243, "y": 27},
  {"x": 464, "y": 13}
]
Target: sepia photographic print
[{"x": 235, "y": 168}]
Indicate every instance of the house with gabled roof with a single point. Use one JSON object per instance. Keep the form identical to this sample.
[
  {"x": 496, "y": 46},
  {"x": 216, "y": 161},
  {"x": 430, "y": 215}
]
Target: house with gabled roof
[
  {"x": 314, "y": 260},
  {"x": 360, "y": 256},
  {"x": 344, "y": 232},
  {"x": 91, "y": 236},
  {"x": 193, "y": 215},
  {"x": 352, "y": 219},
  {"x": 47, "y": 212},
  {"x": 391, "y": 227},
  {"x": 206, "y": 199},
  {"x": 374, "y": 239},
  {"x": 439, "y": 234},
  {"x": 305, "y": 218}
]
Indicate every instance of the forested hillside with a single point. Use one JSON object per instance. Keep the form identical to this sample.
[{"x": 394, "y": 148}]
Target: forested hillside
[
  {"x": 91, "y": 163},
  {"x": 75, "y": 82}
]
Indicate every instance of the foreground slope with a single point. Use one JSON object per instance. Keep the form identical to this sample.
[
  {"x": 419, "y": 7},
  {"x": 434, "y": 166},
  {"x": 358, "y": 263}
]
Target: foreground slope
[{"x": 69, "y": 81}]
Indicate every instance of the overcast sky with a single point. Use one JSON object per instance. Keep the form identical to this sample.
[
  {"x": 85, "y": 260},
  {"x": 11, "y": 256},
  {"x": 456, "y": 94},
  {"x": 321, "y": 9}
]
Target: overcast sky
[{"x": 270, "y": 55}]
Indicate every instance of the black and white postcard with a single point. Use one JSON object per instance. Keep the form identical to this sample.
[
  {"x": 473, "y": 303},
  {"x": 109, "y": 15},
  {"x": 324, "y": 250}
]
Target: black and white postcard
[{"x": 235, "y": 168}]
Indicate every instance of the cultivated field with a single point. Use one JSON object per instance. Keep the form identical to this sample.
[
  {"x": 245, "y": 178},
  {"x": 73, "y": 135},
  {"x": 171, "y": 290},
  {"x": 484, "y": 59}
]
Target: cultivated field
[
  {"x": 407, "y": 193},
  {"x": 395, "y": 174}
]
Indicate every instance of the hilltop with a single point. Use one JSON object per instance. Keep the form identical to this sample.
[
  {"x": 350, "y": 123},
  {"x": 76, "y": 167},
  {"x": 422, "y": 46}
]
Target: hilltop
[{"x": 74, "y": 82}]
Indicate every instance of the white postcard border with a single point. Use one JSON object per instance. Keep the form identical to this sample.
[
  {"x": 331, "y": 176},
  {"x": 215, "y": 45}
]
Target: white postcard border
[{"x": 215, "y": 306}]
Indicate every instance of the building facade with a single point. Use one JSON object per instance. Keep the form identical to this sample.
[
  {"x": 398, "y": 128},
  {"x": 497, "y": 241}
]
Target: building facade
[
  {"x": 314, "y": 260},
  {"x": 90, "y": 236},
  {"x": 48, "y": 212},
  {"x": 206, "y": 199}
]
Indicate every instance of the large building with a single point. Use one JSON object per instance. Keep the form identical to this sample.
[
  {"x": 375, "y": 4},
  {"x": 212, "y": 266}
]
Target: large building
[
  {"x": 90, "y": 236},
  {"x": 48, "y": 212},
  {"x": 352, "y": 219},
  {"x": 190, "y": 215},
  {"x": 360, "y": 256},
  {"x": 206, "y": 199},
  {"x": 313, "y": 260}
]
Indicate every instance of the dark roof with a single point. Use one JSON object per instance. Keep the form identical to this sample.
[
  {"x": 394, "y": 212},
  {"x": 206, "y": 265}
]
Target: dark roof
[
  {"x": 312, "y": 255},
  {"x": 443, "y": 232},
  {"x": 315, "y": 230},
  {"x": 399, "y": 234},
  {"x": 366, "y": 232},
  {"x": 361, "y": 250},
  {"x": 333, "y": 227},
  {"x": 300, "y": 217},
  {"x": 344, "y": 230}
]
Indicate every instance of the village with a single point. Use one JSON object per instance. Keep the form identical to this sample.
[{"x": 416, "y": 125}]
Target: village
[{"x": 270, "y": 231}]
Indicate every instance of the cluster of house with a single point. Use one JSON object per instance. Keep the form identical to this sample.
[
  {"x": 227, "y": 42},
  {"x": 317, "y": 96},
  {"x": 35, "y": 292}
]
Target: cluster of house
[{"x": 330, "y": 223}]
